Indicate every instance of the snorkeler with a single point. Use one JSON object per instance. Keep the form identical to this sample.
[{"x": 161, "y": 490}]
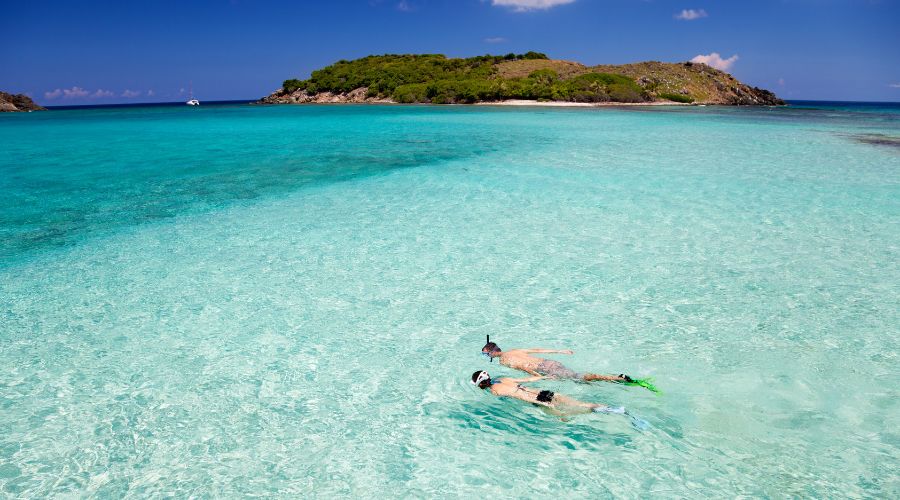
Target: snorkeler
[
  {"x": 513, "y": 388},
  {"x": 557, "y": 403},
  {"x": 522, "y": 359}
]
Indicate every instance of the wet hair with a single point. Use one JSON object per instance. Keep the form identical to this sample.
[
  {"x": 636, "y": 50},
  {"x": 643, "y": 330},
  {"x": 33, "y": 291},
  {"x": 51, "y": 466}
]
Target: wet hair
[
  {"x": 490, "y": 347},
  {"x": 484, "y": 383}
]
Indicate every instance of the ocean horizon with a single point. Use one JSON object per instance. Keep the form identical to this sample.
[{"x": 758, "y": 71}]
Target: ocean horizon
[
  {"x": 231, "y": 299},
  {"x": 793, "y": 102}
]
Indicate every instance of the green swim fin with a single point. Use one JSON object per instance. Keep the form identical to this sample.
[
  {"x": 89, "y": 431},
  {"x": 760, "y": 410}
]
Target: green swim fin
[{"x": 645, "y": 383}]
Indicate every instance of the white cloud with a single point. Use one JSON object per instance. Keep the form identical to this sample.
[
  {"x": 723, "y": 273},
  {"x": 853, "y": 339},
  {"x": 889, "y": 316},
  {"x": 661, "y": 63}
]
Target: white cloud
[
  {"x": 495, "y": 39},
  {"x": 894, "y": 85},
  {"x": 151, "y": 93},
  {"x": 526, "y": 5},
  {"x": 181, "y": 90},
  {"x": 405, "y": 6},
  {"x": 781, "y": 82},
  {"x": 75, "y": 92},
  {"x": 80, "y": 93},
  {"x": 691, "y": 14},
  {"x": 716, "y": 61},
  {"x": 72, "y": 93},
  {"x": 131, "y": 93}
]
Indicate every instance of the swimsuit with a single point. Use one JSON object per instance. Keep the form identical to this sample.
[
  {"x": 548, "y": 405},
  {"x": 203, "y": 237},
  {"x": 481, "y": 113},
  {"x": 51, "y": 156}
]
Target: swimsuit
[
  {"x": 545, "y": 397},
  {"x": 551, "y": 368}
]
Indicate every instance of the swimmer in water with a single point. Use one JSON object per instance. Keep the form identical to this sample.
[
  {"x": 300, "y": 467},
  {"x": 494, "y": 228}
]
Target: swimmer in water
[
  {"x": 522, "y": 359},
  {"x": 556, "y": 403}
]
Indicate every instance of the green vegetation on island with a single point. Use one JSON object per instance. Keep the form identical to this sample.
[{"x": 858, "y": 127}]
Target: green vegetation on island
[
  {"x": 676, "y": 97},
  {"x": 437, "y": 79}
]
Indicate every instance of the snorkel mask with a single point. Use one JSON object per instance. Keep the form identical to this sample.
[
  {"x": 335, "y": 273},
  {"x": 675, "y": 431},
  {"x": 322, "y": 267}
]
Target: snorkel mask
[
  {"x": 481, "y": 378},
  {"x": 488, "y": 354}
]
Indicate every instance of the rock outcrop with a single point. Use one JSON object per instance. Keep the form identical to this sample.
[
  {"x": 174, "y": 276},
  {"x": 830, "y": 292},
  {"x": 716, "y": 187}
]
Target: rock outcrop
[
  {"x": 302, "y": 97},
  {"x": 17, "y": 102},
  {"x": 704, "y": 84}
]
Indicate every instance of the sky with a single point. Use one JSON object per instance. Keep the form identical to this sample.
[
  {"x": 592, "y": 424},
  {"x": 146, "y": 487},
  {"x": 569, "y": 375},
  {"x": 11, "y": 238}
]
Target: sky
[{"x": 104, "y": 52}]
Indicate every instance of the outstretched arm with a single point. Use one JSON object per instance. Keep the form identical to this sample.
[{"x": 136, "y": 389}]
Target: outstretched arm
[{"x": 547, "y": 351}]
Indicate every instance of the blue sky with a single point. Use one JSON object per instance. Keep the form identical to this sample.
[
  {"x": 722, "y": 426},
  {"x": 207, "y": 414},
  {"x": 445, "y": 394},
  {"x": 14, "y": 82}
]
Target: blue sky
[{"x": 94, "y": 52}]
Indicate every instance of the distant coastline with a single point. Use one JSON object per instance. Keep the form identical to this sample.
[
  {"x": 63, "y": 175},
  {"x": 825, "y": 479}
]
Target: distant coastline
[{"x": 514, "y": 80}]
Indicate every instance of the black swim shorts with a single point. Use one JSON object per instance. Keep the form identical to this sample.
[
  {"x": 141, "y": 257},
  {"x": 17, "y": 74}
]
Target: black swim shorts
[{"x": 545, "y": 396}]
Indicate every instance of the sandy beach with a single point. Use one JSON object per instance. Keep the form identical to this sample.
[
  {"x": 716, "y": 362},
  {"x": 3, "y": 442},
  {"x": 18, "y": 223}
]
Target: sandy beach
[{"x": 568, "y": 104}]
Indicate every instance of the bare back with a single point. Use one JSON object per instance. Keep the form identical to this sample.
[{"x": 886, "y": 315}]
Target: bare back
[
  {"x": 518, "y": 359},
  {"x": 562, "y": 405},
  {"x": 508, "y": 388}
]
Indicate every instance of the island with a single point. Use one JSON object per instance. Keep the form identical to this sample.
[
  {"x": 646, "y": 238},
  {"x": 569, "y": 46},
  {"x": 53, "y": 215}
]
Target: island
[
  {"x": 530, "y": 78},
  {"x": 17, "y": 102}
]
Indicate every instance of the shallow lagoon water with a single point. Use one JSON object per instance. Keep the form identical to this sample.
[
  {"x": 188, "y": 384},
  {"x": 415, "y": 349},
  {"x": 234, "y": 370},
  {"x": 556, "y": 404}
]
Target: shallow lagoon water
[{"x": 290, "y": 300}]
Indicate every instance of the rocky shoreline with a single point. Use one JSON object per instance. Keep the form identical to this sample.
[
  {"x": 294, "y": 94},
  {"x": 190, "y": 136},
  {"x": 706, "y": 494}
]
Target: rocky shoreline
[
  {"x": 739, "y": 97},
  {"x": 18, "y": 103},
  {"x": 357, "y": 96}
]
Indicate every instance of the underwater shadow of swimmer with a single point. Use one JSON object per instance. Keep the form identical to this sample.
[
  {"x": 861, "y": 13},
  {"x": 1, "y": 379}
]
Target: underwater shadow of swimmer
[{"x": 503, "y": 423}]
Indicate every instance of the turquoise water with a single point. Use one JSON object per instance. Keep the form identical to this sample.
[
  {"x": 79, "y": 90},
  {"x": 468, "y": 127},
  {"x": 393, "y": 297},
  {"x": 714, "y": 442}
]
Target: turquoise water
[{"x": 289, "y": 301}]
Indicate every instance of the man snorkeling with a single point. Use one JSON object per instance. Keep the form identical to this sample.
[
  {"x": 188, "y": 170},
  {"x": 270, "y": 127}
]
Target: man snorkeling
[
  {"x": 522, "y": 359},
  {"x": 557, "y": 403}
]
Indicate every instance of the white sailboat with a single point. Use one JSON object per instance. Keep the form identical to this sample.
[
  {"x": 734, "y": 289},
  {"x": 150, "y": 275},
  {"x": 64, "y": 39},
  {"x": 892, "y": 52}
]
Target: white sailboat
[{"x": 192, "y": 101}]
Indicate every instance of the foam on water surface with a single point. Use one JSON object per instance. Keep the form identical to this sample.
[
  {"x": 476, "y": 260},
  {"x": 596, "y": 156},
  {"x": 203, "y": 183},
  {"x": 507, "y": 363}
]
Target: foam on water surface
[{"x": 287, "y": 328}]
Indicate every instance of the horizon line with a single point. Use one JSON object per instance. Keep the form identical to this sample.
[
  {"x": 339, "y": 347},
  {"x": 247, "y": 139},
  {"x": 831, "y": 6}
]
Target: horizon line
[{"x": 251, "y": 101}]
